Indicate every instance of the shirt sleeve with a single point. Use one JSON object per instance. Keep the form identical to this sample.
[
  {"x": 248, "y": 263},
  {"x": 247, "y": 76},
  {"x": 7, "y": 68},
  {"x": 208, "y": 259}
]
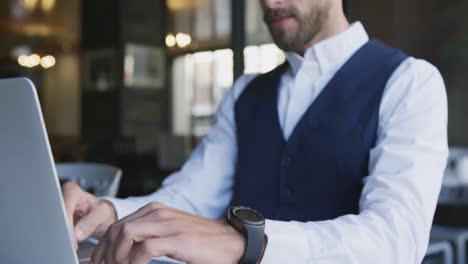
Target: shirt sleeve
[
  {"x": 400, "y": 194},
  {"x": 204, "y": 185}
]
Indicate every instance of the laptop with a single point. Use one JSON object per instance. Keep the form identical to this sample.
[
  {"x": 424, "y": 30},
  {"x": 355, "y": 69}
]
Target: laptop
[{"x": 33, "y": 222}]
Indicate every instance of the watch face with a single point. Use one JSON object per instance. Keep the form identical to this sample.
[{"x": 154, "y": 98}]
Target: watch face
[{"x": 248, "y": 214}]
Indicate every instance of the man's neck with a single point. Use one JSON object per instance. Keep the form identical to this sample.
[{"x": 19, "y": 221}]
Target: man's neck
[{"x": 331, "y": 28}]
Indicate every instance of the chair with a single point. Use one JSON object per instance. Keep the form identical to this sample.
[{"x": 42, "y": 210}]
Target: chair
[
  {"x": 99, "y": 179},
  {"x": 439, "y": 252},
  {"x": 451, "y": 174},
  {"x": 452, "y": 205},
  {"x": 458, "y": 238}
]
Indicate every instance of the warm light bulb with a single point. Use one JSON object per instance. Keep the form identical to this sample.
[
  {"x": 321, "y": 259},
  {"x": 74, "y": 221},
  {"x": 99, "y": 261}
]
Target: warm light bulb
[
  {"x": 34, "y": 60},
  {"x": 183, "y": 40},
  {"x": 170, "y": 40},
  {"x": 48, "y": 61},
  {"x": 29, "y": 5},
  {"x": 47, "y": 5},
  {"x": 23, "y": 60}
]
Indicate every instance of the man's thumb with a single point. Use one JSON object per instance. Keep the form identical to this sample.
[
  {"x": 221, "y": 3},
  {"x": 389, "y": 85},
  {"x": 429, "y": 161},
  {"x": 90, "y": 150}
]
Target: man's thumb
[{"x": 88, "y": 224}]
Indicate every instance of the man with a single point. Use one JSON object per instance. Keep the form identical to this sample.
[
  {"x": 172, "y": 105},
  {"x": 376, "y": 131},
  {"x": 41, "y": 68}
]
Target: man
[{"x": 342, "y": 150}]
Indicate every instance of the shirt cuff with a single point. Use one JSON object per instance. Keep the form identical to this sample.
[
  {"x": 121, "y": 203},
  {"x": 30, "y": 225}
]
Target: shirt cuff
[
  {"x": 123, "y": 207},
  {"x": 285, "y": 237}
]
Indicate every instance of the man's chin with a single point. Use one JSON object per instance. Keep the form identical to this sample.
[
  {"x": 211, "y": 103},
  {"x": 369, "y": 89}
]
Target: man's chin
[
  {"x": 285, "y": 42},
  {"x": 284, "y": 28}
]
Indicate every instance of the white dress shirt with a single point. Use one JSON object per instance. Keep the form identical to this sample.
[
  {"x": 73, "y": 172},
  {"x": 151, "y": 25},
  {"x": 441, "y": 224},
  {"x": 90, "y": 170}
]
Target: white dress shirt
[{"x": 405, "y": 168}]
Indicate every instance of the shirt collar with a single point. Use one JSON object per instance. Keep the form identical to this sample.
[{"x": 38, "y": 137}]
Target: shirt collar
[{"x": 331, "y": 53}]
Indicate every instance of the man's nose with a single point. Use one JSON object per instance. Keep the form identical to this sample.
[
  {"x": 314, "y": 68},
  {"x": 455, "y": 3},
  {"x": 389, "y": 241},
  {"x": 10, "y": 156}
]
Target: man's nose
[{"x": 272, "y": 4}]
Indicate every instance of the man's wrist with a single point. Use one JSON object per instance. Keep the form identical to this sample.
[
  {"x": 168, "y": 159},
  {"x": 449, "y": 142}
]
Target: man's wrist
[
  {"x": 237, "y": 241},
  {"x": 108, "y": 217},
  {"x": 251, "y": 225},
  {"x": 110, "y": 209}
]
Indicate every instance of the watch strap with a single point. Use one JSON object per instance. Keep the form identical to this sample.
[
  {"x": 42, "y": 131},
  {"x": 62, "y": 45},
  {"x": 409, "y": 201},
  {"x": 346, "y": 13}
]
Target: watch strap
[{"x": 255, "y": 237}]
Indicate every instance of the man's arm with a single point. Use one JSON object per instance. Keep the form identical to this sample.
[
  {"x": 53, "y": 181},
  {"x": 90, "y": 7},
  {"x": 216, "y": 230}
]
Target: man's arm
[
  {"x": 204, "y": 185},
  {"x": 400, "y": 194}
]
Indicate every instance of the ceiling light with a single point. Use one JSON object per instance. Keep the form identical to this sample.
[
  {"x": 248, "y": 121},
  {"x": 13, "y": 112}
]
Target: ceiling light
[
  {"x": 48, "y": 61},
  {"x": 23, "y": 60},
  {"x": 29, "y": 5},
  {"x": 170, "y": 40},
  {"x": 183, "y": 40},
  {"x": 47, "y": 5},
  {"x": 177, "y": 5},
  {"x": 34, "y": 60}
]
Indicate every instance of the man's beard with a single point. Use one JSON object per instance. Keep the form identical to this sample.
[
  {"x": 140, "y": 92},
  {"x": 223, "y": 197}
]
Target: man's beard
[{"x": 309, "y": 25}]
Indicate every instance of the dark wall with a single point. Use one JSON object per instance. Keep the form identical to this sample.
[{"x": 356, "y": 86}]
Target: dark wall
[
  {"x": 432, "y": 30},
  {"x": 121, "y": 125}
]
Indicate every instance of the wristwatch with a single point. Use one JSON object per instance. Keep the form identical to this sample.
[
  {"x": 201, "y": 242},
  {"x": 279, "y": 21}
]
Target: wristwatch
[{"x": 252, "y": 224}]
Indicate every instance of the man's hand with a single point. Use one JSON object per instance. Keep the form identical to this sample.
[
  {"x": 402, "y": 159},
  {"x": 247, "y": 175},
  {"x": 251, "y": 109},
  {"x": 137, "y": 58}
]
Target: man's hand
[
  {"x": 86, "y": 214},
  {"x": 157, "y": 230}
]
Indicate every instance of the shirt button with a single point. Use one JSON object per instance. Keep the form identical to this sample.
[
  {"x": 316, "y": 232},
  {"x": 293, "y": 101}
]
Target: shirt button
[
  {"x": 289, "y": 191},
  {"x": 287, "y": 162}
]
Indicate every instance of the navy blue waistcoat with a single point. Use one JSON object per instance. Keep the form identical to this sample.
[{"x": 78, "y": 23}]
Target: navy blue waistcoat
[{"x": 317, "y": 174}]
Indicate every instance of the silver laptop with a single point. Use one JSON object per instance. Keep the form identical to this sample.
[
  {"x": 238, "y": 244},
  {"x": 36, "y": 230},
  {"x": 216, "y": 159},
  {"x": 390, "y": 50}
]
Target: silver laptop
[{"x": 33, "y": 223}]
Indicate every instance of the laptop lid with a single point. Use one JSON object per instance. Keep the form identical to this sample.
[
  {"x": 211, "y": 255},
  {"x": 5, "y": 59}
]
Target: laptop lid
[{"x": 33, "y": 223}]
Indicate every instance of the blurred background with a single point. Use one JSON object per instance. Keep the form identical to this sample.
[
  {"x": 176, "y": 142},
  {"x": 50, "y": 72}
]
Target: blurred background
[{"x": 135, "y": 84}]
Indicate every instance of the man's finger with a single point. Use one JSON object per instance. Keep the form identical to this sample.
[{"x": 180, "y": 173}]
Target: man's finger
[
  {"x": 99, "y": 251},
  {"x": 89, "y": 223},
  {"x": 106, "y": 248},
  {"x": 70, "y": 199},
  {"x": 138, "y": 231},
  {"x": 144, "y": 252},
  {"x": 141, "y": 212}
]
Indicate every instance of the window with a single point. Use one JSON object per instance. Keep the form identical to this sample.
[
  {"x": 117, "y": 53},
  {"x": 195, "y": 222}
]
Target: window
[{"x": 199, "y": 82}]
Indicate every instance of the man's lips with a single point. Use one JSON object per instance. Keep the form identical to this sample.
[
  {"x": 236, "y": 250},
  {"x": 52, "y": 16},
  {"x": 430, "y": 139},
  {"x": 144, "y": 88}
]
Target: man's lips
[{"x": 279, "y": 20}]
